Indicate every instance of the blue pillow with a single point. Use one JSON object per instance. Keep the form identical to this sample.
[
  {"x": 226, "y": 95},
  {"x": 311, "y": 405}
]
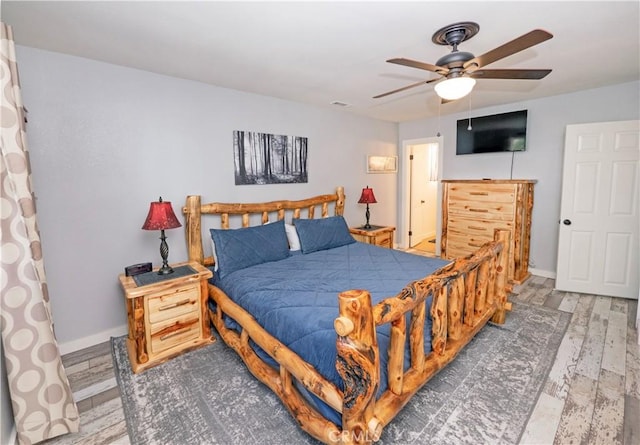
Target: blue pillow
[
  {"x": 236, "y": 249},
  {"x": 322, "y": 234}
]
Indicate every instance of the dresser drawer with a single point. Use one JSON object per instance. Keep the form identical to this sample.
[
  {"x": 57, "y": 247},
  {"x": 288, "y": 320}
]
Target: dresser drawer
[
  {"x": 453, "y": 253},
  {"x": 170, "y": 333},
  {"x": 497, "y": 211},
  {"x": 466, "y": 243},
  {"x": 476, "y": 227},
  {"x": 173, "y": 304},
  {"x": 475, "y": 193}
]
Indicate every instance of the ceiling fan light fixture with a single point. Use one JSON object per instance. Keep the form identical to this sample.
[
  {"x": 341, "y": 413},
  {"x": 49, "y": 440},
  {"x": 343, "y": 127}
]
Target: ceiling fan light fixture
[{"x": 455, "y": 88}]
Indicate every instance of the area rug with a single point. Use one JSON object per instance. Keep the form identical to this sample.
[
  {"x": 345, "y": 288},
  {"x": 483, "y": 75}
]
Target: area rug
[{"x": 485, "y": 396}]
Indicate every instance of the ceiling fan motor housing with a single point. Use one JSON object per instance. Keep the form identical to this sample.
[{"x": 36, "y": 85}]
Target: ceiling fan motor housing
[{"x": 455, "y": 59}]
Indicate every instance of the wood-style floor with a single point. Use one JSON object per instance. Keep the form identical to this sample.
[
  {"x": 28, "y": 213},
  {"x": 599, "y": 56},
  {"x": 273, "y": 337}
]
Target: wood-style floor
[
  {"x": 426, "y": 246},
  {"x": 592, "y": 395}
]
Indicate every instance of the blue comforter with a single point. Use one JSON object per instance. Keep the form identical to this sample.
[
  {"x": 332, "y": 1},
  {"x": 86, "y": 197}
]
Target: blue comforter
[{"x": 296, "y": 299}]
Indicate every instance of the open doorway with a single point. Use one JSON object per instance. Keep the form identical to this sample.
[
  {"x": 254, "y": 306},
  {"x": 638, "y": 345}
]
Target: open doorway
[{"x": 421, "y": 195}]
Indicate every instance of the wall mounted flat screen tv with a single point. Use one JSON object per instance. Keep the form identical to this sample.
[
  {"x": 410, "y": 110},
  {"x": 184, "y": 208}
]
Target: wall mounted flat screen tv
[{"x": 494, "y": 133}]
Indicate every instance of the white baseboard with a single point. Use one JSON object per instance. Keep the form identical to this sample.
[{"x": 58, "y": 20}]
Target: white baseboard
[
  {"x": 543, "y": 273},
  {"x": 91, "y": 340}
]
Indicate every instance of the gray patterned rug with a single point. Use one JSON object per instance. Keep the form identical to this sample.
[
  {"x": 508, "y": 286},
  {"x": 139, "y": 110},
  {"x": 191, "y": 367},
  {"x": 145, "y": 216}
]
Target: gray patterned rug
[{"x": 485, "y": 396}]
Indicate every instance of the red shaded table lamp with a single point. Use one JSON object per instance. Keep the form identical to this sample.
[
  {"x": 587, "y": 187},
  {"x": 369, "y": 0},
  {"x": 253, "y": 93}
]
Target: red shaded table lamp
[
  {"x": 367, "y": 198},
  {"x": 161, "y": 217}
]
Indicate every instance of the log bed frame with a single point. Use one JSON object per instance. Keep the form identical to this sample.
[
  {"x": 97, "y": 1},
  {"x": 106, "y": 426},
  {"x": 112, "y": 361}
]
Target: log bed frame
[{"x": 466, "y": 294}]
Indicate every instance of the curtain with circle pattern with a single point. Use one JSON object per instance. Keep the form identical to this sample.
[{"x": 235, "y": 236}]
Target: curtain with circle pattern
[{"x": 41, "y": 398}]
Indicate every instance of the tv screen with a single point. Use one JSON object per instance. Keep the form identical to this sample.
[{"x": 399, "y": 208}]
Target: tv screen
[{"x": 488, "y": 134}]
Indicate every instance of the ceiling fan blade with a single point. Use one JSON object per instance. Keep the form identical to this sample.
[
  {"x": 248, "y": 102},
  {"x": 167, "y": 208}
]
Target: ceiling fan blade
[
  {"x": 420, "y": 65},
  {"x": 422, "y": 82},
  {"x": 509, "y": 74},
  {"x": 521, "y": 43}
]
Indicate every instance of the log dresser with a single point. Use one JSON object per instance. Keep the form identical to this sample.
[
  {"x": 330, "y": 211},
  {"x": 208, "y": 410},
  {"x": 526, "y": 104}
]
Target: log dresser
[
  {"x": 473, "y": 209},
  {"x": 378, "y": 235},
  {"x": 167, "y": 314}
]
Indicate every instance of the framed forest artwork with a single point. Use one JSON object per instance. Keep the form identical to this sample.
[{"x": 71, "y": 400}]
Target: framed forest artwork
[{"x": 262, "y": 158}]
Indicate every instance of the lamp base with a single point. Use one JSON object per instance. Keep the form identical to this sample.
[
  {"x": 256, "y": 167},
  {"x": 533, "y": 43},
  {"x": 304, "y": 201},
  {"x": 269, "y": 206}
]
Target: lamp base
[
  {"x": 367, "y": 214},
  {"x": 165, "y": 270},
  {"x": 164, "y": 253}
]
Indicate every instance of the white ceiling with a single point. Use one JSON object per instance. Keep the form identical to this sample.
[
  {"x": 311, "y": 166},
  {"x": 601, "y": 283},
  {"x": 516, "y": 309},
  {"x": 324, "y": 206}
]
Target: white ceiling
[{"x": 321, "y": 52}]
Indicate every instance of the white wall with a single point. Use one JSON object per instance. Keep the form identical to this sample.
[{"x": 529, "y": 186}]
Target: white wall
[
  {"x": 543, "y": 158},
  {"x": 106, "y": 140}
]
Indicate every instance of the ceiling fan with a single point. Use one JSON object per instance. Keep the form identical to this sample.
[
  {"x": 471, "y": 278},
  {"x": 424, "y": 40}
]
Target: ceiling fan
[{"x": 459, "y": 69}]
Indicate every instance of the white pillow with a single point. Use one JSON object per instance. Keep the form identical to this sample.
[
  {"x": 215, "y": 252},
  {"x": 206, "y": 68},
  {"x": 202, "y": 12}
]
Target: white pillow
[
  {"x": 213, "y": 249},
  {"x": 292, "y": 237}
]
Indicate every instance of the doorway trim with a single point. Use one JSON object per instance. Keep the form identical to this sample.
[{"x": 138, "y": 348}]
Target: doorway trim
[{"x": 405, "y": 185}]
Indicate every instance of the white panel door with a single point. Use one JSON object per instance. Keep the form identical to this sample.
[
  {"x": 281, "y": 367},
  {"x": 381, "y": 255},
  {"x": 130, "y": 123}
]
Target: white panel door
[{"x": 598, "y": 240}]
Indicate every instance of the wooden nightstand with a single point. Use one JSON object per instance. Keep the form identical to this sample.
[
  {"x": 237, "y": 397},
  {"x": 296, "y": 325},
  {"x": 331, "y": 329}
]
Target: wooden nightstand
[
  {"x": 378, "y": 235},
  {"x": 167, "y": 314}
]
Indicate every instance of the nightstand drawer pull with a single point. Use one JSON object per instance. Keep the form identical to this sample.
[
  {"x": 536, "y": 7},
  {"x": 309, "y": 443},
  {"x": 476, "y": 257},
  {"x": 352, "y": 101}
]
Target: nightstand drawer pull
[
  {"x": 173, "y": 334},
  {"x": 479, "y": 193},
  {"x": 477, "y": 228},
  {"x": 176, "y": 304},
  {"x": 479, "y": 210}
]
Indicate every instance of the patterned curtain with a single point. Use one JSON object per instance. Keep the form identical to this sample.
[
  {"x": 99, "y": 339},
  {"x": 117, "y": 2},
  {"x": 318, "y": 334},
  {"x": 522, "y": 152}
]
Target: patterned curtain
[{"x": 41, "y": 397}]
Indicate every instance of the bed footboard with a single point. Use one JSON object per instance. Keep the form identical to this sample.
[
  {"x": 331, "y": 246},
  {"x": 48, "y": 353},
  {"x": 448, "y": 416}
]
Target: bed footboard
[{"x": 466, "y": 295}]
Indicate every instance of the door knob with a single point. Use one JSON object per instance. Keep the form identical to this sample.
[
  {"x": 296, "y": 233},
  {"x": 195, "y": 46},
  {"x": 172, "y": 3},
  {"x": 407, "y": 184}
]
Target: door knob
[{"x": 566, "y": 222}]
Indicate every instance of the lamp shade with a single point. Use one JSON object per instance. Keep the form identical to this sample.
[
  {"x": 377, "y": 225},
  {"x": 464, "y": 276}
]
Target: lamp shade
[
  {"x": 455, "y": 88},
  {"x": 161, "y": 216},
  {"x": 367, "y": 196}
]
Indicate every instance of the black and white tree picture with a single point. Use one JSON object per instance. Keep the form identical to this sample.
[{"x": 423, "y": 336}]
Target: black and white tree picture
[{"x": 261, "y": 158}]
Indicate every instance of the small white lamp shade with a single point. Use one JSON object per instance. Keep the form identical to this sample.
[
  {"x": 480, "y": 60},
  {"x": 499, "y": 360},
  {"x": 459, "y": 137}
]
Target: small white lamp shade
[{"x": 455, "y": 88}]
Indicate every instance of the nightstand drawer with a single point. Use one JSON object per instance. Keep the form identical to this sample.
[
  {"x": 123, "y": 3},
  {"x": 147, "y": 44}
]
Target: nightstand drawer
[
  {"x": 167, "y": 334},
  {"x": 171, "y": 305},
  {"x": 384, "y": 240}
]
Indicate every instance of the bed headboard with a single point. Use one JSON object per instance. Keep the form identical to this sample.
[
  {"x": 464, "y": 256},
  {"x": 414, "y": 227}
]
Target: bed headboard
[{"x": 194, "y": 211}]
